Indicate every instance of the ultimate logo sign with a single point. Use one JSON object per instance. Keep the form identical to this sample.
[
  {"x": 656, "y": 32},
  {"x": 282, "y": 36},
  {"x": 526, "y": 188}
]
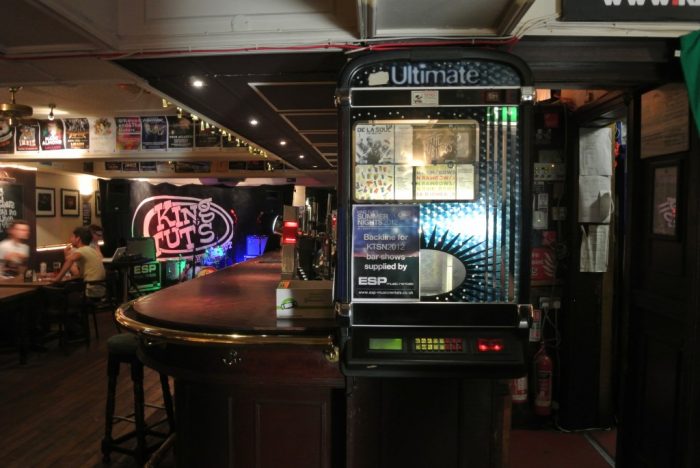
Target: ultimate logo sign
[{"x": 182, "y": 225}]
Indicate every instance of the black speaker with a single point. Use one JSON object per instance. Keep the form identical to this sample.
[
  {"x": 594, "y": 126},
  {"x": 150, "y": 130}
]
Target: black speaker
[
  {"x": 116, "y": 217},
  {"x": 117, "y": 196}
]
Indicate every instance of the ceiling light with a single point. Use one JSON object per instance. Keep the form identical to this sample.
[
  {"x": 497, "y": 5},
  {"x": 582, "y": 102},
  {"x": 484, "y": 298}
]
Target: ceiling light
[
  {"x": 301, "y": 156},
  {"x": 52, "y": 107},
  {"x": 165, "y": 103},
  {"x": 179, "y": 112},
  {"x": 253, "y": 122},
  {"x": 197, "y": 83},
  {"x": 283, "y": 142},
  {"x": 14, "y": 111},
  {"x": 314, "y": 166}
]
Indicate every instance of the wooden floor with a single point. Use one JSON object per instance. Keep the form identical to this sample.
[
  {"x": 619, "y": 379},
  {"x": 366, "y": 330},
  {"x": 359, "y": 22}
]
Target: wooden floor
[
  {"x": 52, "y": 408},
  {"x": 52, "y": 414}
]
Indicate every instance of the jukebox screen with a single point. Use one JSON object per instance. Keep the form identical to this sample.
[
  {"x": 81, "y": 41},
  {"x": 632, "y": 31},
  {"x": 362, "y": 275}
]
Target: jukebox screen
[{"x": 437, "y": 208}]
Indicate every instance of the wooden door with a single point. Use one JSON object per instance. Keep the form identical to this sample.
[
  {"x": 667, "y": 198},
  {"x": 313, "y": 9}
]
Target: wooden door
[{"x": 659, "y": 395}]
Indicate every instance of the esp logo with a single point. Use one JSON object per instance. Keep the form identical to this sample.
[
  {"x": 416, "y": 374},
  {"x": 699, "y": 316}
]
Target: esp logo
[
  {"x": 145, "y": 269},
  {"x": 372, "y": 280}
]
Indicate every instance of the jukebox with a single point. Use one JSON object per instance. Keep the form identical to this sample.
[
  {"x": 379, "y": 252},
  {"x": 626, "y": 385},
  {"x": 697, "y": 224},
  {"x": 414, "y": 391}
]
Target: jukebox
[{"x": 433, "y": 251}]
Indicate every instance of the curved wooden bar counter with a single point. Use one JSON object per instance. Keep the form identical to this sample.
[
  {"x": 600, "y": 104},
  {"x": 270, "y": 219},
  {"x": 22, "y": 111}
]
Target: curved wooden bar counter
[{"x": 250, "y": 390}]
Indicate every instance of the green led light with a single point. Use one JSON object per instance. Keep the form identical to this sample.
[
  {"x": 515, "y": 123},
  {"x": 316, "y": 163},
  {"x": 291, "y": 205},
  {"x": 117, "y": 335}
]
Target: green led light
[
  {"x": 513, "y": 112},
  {"x": 385, "y": 344}
]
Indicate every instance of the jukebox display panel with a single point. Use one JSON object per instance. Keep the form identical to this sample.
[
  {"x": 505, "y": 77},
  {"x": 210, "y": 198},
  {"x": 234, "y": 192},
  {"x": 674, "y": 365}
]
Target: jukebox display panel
[{"x": 436, "y": 211}]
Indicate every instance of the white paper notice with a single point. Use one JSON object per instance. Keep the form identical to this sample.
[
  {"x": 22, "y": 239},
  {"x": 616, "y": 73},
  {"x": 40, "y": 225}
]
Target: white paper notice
[
  {"x": 594, "y": 248},
  {"x": 595, "y": 151},
  {"x": 403, "y": 182},
  {"x": 595, "y": 203},
  {"x": 465, "y": 182},
  {"x": 403, "y": 144}
]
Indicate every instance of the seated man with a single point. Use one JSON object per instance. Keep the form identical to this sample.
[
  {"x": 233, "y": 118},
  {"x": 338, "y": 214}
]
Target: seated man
[
  {"x": 14, "y": 251},
  {"x": 97, "y": 236},
  {"x": 88, "y": 260}
]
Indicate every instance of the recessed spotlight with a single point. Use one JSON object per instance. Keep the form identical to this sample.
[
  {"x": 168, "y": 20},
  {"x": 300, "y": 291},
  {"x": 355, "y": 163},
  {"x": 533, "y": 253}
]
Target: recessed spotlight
[
  {"x": 301, "y": 156},
  {"x": 197, "y": 83},
  {"x": 314, "y": 166},
  {"x": 283, "y": 142},
  {"x": 253, "y": 122}
]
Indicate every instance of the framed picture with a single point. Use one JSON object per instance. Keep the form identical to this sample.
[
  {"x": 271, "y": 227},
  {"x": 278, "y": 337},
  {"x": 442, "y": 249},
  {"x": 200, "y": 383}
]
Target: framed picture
[
  {"x": 70, "y": 202},
  {"x": 45, "y": 201},
  {"x": 98, "y": 204},
  {"x": 665, "y": 198}
]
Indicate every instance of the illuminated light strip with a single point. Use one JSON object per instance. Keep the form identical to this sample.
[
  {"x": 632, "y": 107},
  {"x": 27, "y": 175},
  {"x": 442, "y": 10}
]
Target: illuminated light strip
[
  {"x": 52, "y": 247},
  {"x": 19, "y": 166}
]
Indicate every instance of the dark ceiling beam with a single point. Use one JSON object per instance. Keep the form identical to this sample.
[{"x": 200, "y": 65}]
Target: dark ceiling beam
[{"x": 599, "y": 63}]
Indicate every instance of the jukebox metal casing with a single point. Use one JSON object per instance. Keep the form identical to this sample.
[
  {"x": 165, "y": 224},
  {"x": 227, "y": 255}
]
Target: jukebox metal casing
[{"x": 433, "y": 246}]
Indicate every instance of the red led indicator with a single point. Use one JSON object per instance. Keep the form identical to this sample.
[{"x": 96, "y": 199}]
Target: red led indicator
[
  {"x": 489, "y": 345},
  {"x": 289, "y": 232}
]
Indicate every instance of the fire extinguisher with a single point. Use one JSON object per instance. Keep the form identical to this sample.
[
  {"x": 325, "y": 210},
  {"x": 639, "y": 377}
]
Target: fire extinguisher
[{"x": 543, "y": 376}]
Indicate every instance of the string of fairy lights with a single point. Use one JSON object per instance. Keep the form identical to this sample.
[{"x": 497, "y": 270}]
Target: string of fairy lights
[{"x": 204, "y": 125}]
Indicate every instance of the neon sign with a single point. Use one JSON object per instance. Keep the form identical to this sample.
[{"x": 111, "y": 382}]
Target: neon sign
[{"x": 182, "y": 225}]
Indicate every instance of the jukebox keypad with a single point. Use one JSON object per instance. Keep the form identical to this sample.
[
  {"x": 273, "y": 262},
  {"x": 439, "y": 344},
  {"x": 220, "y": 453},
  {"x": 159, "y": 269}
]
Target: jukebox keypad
[{"x": 439, "y": 345}]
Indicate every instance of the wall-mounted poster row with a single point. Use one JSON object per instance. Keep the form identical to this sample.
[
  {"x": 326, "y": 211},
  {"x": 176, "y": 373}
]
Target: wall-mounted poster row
[{"x": 110, "y": 135}]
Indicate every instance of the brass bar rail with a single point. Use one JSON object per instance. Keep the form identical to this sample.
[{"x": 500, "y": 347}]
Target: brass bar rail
[{"x": 189, "y": 337}]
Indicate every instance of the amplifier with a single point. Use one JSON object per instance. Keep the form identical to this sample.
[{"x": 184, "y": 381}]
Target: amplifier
[{"x": 144, "y": 277}]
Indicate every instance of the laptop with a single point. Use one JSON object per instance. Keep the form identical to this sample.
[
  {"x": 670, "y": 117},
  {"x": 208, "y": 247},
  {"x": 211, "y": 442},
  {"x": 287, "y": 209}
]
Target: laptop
[{"x": 119, "y": 252}]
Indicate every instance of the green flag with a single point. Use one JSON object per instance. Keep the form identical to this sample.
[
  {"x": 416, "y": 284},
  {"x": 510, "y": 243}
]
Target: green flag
[{"x": 690, "y": 61}]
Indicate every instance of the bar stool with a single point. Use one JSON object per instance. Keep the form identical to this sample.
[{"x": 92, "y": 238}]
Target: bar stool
[{"x": 122, "y": 350}]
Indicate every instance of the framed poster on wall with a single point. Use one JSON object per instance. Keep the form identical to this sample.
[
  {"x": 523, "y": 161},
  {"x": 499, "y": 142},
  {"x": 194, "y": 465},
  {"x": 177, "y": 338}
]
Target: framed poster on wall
[
  {"x": 665, "y": 197},
  {"x": 45, "y": 201},
  {"x": 70, "y": 202}
]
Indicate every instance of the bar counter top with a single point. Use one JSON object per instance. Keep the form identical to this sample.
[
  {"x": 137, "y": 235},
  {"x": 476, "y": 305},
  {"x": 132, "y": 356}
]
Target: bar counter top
[{"x": 238, "y": 300}]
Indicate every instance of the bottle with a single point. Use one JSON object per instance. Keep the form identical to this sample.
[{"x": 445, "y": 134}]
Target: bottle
[
  {"x": 28, "y": 276},
  {"x": 42, "y": 268}
]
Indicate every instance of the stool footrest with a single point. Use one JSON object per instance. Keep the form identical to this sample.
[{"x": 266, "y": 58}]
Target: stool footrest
[{"x": 123, "y": 350}]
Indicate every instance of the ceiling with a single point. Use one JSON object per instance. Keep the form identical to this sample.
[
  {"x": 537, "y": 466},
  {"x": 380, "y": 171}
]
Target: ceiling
[{"x": 277, "y": 60}]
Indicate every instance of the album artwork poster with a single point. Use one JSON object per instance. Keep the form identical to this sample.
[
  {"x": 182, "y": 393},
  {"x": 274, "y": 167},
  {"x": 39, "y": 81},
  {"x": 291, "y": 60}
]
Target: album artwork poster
[
  {"x": 51, "y": 135},
  {"x": 103, "y": 135},
  {"x": 180, "y": 132},
  {"x": 154, "y": 133},
  {"x": 77, "y": 133},
  {"x": 403, "y": 144},
  {"x": 128, "y": 133},
  {"x": 374, "y": 182},
  {"x": 436, "y": 182},
  {"x": 403, "y": 181},
  {"x": 207, "y": 137},
  {"x": 442, "y": 143},
  {"x": 374, "y": 144},
  {"x": 27, "y": 136}
]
